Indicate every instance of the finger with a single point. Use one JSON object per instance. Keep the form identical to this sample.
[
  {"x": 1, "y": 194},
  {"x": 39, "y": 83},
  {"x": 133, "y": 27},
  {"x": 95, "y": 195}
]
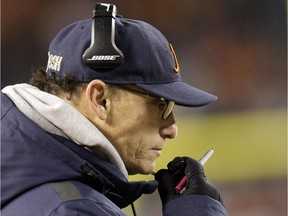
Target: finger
[
  {"x": 166, "y": 185},
  {"x": 193, "y": 166},
  {"x": 165, "y": 178}
]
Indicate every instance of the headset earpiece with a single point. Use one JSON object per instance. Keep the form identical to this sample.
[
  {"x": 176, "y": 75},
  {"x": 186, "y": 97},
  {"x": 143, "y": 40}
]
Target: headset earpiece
[{"x": 103, "y": 52}]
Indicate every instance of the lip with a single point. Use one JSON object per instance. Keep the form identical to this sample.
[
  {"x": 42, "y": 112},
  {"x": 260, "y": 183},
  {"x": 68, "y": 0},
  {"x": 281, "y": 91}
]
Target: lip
[{"x": 157, "y": 150}]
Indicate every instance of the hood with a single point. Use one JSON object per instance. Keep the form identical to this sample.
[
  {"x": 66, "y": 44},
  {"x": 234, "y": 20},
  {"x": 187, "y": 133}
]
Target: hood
[
  {"x": 30, "y": 156},
  {"x": 53, "y": 115}
]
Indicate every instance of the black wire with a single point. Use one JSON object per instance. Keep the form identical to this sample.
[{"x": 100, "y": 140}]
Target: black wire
[{"x": 133, "y": 209}]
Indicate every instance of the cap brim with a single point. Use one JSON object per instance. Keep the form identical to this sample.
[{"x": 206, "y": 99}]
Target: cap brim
[{"x": 180, "y": 93}]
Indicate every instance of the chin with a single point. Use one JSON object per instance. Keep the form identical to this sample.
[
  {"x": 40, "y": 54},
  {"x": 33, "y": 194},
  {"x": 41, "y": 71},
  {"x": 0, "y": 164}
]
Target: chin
[{"x": 145, "y": 170}]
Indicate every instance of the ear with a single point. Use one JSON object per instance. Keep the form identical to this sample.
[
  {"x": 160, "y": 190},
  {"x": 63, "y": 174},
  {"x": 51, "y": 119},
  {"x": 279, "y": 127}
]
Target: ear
[{"x": 97, "y": 92}]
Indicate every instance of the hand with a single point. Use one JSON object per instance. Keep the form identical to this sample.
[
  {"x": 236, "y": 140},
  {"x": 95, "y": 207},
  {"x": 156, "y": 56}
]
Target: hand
[{"x": 197, "y": 183}]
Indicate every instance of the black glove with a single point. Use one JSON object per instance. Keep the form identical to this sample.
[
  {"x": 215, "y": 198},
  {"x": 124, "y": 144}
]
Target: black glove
[{"x": 196, "y": 184}]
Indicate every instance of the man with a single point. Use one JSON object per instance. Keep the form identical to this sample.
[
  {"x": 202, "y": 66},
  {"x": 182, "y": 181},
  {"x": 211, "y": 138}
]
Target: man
[{"x": 101, "y": 111}]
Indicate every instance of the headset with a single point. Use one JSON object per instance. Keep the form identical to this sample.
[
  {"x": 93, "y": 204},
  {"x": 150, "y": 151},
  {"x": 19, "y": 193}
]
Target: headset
[{"x": 103, "y": 52}]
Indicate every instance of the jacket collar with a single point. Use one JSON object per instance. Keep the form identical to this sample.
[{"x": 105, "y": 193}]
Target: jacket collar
[
  {"x": 106, "y": 178},
  {"x": 54, "y": 158}
]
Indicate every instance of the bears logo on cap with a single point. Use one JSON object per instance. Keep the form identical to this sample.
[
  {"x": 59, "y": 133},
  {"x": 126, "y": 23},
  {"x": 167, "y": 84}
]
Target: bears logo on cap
[{"x": 176, "y": 68}]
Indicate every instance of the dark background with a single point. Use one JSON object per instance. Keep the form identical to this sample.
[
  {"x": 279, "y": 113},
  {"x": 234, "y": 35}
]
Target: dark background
[{"x": 235, "y": 49}]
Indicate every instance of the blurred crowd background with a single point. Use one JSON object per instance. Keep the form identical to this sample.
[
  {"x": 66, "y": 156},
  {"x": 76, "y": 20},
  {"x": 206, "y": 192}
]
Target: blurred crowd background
[{"x": 234, "y": 49}]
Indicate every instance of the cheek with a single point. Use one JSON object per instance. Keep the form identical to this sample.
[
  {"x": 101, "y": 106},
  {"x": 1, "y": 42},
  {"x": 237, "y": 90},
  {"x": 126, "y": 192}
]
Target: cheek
[
  {"x": 138, "y": 156},
  {"x": 133, "y": 143},
  {"x": 133, "y": 133}
]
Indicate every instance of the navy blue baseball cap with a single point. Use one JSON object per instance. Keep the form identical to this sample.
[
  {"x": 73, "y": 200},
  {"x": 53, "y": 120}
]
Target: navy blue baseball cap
[{"x": 149, "y": 61}]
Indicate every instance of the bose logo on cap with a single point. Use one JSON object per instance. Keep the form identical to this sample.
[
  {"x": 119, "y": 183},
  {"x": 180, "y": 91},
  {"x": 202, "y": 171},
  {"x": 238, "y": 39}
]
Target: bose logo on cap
[{"x": 104, "y": 57}]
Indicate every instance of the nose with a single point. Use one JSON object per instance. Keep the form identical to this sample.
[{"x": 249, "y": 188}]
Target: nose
[{"x": 169, "y": 129}]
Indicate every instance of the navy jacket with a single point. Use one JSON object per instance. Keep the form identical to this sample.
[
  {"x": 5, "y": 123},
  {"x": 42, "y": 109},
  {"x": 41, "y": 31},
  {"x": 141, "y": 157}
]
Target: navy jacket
[{"x": 45, "y": 174}]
